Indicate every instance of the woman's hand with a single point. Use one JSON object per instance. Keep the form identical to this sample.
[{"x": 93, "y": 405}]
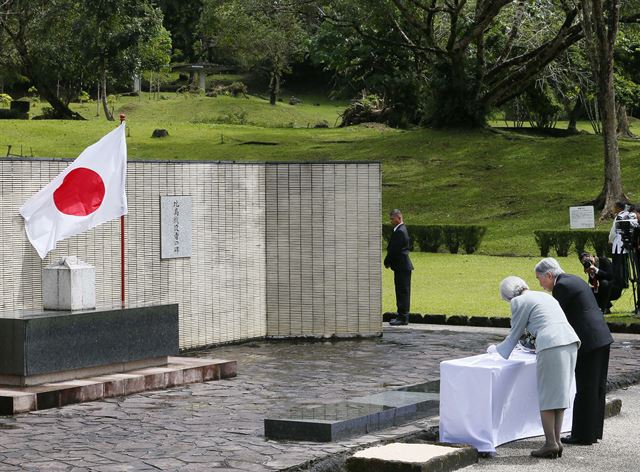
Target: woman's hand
[{"x": 492, "y": 349}]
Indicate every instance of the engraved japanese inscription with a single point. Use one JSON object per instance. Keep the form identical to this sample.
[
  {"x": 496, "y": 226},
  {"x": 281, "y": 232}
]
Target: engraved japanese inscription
[{"x": 175, "y": 226}]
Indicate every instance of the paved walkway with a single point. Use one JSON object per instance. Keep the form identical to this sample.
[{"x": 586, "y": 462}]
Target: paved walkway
[{"x": 218, "y": 426}]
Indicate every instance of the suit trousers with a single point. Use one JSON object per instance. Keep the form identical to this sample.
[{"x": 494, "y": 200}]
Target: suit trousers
[
  {"x": 402, "y": 282},
  {"x": 603, "y": 295},
  {"x": 591, "y": 388}
]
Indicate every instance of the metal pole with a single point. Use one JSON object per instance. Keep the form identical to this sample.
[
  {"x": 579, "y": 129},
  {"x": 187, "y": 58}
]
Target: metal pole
[{"x": 122, "y": 247}]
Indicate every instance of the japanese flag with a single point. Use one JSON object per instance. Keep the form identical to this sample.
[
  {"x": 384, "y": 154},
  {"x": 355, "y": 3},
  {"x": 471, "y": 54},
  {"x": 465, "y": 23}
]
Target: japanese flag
[{"x": 89, "y": 192}]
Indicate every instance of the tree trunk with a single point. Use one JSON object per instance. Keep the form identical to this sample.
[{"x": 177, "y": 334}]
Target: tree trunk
[
  {"x": 105, "y": 103},
  {"x": 456, "y": 100},
  {"x": 624, "y": 130},
  {"x": 274, "y": 87},
  {"x": 61, "y": 110},
  {"x": 605, "y": 36},
  {"x": 574, "y": 114}
]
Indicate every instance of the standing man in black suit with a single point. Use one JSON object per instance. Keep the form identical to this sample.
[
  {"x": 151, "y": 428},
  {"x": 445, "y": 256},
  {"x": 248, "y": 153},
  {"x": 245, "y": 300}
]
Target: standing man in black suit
[
  {"x": 398, "y": 261},
  {"x": 584, "y": 316},
  {"x": 599, "y": 271}
]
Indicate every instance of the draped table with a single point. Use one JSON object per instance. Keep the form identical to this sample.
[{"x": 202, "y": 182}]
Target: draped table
[{"x": 486, "y": 400}]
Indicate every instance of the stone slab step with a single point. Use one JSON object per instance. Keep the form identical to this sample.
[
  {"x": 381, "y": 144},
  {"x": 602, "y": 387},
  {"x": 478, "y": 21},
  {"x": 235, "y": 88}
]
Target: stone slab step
[
  {"x": 178, "y": 371},
  {"x": 361, "y": 415},
  {"x": 401, "y": 457}
]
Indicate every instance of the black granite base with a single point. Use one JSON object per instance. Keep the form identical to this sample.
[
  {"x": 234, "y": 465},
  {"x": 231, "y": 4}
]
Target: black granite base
[
  {"x": 326, "y": 423},
  {"x": 33, "y": 343}
]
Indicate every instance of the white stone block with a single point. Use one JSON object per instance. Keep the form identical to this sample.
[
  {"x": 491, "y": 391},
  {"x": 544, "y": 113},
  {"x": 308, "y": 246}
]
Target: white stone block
[{"x": 69, "y": 284}]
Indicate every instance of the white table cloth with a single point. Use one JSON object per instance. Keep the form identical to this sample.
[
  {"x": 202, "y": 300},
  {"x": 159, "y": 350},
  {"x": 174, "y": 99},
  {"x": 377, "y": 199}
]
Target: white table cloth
[{"x": 486, "y": 400}]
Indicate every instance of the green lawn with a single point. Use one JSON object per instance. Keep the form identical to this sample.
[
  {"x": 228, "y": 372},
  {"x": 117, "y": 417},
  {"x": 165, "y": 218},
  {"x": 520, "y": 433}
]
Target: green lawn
[
  {"x": 513, "y": 182},
  {"x": 453, "y": 284}
]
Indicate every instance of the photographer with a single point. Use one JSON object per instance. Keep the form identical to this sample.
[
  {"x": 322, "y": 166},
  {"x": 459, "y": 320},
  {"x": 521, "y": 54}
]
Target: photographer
[
  {"x": 600, "y": 277},
  {"x": 618, "y": 251},
  {"x": 625, "y": 240}
]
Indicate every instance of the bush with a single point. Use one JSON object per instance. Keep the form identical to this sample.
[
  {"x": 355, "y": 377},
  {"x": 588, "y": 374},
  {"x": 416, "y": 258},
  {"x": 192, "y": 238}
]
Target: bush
[
  {"x": 368, "y": 109},
  {"x": 12, "y": 115},
  {"x": 5, "y": 99},
  {"x": 562, "y": 241},
  {"x": 471, "y": 237},
  {"x": 545, "y": 241},
  {"x": 430, "y": 238}
]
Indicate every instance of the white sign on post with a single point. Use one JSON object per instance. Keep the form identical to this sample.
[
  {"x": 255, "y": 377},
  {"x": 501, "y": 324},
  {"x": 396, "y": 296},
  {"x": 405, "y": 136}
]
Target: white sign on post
[
  {"x": 581, "y": 217},
  {"x": 175, "y": 229}
]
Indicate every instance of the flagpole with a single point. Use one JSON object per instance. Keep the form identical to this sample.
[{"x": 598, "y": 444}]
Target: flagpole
[{"x": 123, "y": 117}]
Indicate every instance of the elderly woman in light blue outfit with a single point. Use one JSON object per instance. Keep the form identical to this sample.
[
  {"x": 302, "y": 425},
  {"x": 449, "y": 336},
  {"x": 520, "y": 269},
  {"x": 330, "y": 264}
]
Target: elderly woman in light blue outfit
[{"x": 556, "y": 352}]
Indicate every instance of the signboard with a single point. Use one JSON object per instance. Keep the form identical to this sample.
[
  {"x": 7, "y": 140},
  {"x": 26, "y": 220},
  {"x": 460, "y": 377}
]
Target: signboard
[
  {"x": 581, "y": 217},
  {"x": 175, "y": 226}
]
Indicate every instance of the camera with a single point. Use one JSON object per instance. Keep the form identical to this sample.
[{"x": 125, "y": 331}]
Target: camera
[
  {"x": 586, "y": 263},
  {"x": 626, "y": 226}
]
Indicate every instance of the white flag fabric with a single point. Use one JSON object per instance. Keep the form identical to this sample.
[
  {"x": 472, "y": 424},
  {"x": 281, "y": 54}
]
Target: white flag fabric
[{"x": 89, "y": 192}]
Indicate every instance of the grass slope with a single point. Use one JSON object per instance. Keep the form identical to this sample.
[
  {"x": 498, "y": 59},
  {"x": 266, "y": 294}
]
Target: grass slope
[{"x": 513, "y": 182}]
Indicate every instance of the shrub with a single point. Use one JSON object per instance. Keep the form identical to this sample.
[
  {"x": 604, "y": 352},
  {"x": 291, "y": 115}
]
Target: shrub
[
  {"x": 600, "y": 242},
  {"x": 451, "y": 238},
  {"x": 545, "y": 241},
  {"x": 12, "y": 115},
  {"x": 430, "y": 238},
  {"x": 471, "y": 237},
  {"x": 83, "y": 97},
  {"x": 238, "y": 88},
  {"x": 562, "y": 240},
  {"x": 5, "y": 99},
  {"x": 238, "y": 117}
]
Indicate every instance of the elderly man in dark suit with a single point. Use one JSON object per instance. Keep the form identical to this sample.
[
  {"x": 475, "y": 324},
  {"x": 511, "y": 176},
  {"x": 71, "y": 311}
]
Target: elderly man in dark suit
[
  {"x": 586, "y": 318},
  {"x": 398, "y": 261}
]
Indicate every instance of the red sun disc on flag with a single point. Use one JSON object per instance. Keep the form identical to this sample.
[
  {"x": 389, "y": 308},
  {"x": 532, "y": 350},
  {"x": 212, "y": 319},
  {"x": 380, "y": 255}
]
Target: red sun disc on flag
[{"x": 81, "y": 192}]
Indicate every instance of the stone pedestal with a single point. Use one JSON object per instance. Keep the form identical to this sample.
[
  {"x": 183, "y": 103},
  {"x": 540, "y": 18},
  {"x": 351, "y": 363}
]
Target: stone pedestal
[
  {"x": 51, "y": 346},
  {"x": 69, "y": 284},
  {"x": 399, "y": 457}
]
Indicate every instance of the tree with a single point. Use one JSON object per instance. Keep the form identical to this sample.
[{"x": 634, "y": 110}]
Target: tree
[
  {"x": 38, "y": 33},
  {"x": 600, "y": 26},
  {"x": 262, "y": 35},
  {"x": 475, "y": 54},
  {"x": 155, "y": 56},
  {"x": 181, "y": 19},
  {"x": 60, "y": 43},
  {"x": 113, "y": 32}
]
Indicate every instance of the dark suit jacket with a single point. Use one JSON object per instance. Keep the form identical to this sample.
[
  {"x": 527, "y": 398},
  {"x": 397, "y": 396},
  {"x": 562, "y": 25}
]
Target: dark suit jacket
[
  {"x": 582, "y": 311},
  {"x": 398, "y": 250},
  {"x": 605, "y": 269}
]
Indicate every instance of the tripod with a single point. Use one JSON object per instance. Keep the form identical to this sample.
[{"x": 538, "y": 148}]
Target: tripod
[{"x": 632, "y": 265}]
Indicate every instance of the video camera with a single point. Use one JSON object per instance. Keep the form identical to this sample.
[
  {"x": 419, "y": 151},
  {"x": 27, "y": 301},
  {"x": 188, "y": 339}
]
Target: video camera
[{"x": 626, "y": 224}]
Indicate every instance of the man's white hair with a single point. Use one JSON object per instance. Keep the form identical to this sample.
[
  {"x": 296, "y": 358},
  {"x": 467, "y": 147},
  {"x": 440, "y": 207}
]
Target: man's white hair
[
  {"x": 512, "y": 287},
  {"x": 548, "y": 265}
]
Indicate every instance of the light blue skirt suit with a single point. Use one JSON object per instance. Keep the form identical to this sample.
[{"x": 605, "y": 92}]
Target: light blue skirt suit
[{"x": 556, "y": 345}]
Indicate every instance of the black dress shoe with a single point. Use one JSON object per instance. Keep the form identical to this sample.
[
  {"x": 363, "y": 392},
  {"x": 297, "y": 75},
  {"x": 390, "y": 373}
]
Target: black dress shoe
[
  {"x": 572, "y": 440},
  {"x": 398, "y": 322}
]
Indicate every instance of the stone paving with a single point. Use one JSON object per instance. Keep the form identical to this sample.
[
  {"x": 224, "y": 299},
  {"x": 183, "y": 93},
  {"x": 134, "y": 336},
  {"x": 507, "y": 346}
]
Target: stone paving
[{"x": 218, "y": 426}]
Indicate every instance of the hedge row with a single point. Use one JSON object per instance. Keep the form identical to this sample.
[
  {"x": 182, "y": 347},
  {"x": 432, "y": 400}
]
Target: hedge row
[
  {"x": 562, "y": 241},
  {"x": 8, "y": 114},
  {"x": 492, "y": 321},
  {"x": 430, "y": 238}
]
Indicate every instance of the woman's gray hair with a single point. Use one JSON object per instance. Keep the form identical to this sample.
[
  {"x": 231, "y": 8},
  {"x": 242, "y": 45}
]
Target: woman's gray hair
[
  {"x": 548, "y": 265},
  {"x": 512, "y": 287}
]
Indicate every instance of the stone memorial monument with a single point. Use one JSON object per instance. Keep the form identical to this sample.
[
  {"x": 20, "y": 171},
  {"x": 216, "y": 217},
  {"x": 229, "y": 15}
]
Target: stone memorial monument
[{"x": 69, "y": 284}]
